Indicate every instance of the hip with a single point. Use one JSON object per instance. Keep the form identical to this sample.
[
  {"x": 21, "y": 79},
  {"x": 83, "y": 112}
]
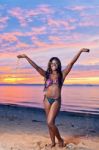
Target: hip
[{"x": 51, "y": 99}]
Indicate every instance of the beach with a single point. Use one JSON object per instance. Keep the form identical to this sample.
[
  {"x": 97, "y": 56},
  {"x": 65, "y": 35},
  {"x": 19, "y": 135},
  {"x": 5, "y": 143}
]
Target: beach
[{"x": 25, "y": 128}]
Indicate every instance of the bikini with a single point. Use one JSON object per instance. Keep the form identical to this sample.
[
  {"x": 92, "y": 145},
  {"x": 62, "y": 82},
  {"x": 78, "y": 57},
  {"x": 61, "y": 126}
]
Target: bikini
[{"x": 49, "y": 82}]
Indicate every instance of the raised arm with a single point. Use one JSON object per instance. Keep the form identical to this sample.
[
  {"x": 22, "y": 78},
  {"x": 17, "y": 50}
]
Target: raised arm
[
  {"x": 70, "y": 65},
  {"x": 39, "y": 69}
]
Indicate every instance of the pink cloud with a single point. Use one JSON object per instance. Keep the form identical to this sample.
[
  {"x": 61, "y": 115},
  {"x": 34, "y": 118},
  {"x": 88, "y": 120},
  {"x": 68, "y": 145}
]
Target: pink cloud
[
  {"x": 22, "y": 45},
  {"x": 78, "y": 8},
  {"x": 81, "y": 7},
  {"x": 73, "y": 37},
  {"x": 19, "y": 46},
  {"x": 54, "y": 39},
  {"x": 89, "y": 20},
  {"x": 5, "y": 69},
  {"x": 57, "y": 23},
  {"x": 41, "y": 9},
  {"x": 10, "y": 43},
  {"x": 89, "y": 73},
  {"x": 4, "y": 19},
  {"x": 87, "y": 23},
  {"x": 60, "y": 23},
  {"x": 19, "y": 14},
  {"x": 41, "y": 44},
  {"x": 17, "y": 33},
  {"x": 8, "y": 37},
  {"x": 25, "y": 16},
  {"x": 71, "y": 20},
  {"x": 45, "y": 9},
  {"x": 38, "y": 30},
  {"x": 61, "y": 44},
  {"x": 3, "y": 22}
]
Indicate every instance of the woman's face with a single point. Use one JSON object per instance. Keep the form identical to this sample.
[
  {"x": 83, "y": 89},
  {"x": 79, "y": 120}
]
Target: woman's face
[{"x": 54, "y": 65}]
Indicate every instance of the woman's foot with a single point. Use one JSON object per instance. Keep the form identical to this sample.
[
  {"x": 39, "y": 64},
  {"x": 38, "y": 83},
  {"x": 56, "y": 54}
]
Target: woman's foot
[
  {"x": 61, "y": 143},
  {"x": 51, "y": 145}
]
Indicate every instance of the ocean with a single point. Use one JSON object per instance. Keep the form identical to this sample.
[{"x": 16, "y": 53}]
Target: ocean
[{"x": 75, "y": 98}]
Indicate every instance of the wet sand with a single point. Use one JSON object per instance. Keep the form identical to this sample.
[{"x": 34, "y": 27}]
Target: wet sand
[{"x": 25, "y": 128}]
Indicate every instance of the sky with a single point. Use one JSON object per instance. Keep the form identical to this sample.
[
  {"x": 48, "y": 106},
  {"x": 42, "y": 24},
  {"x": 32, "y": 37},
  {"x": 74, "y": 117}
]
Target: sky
[{"x": 42, "y": 29}]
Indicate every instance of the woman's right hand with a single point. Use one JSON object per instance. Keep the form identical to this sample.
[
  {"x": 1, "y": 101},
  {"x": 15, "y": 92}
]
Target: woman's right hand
[
  {"x": 85, "y": 50},
  {"x": 22, "y": 56}
]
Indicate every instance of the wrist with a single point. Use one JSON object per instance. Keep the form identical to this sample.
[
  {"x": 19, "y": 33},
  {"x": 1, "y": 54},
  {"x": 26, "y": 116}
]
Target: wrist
[
  {"x": 26, "y": 57},
  {"x": 81, "y": 50}
]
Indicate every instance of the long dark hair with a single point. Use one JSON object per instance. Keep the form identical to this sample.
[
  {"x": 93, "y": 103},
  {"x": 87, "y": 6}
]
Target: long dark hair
[{"x": 49, "y": 71}]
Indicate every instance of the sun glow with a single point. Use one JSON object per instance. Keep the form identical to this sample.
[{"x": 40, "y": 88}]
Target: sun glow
[
  {"x": 38, "y": 80},
  {"x": 86, "y": 80},
  {"x": 12, "y": 79}
]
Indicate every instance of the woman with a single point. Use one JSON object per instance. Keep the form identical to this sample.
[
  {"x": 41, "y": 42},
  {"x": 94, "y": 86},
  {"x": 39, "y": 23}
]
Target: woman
[{"x": 54, "y": 78}]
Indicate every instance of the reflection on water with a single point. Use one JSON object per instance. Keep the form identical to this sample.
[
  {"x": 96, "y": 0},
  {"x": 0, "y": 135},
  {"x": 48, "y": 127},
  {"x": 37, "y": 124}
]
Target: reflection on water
[{"x": 74, "y": 98}]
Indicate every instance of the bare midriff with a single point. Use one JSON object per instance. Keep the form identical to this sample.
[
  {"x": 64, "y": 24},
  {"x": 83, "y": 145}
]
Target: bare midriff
[{"x": 53, "y": 91}]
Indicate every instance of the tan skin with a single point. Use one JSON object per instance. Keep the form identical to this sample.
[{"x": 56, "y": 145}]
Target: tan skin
[{"x": 54, "y": 91}]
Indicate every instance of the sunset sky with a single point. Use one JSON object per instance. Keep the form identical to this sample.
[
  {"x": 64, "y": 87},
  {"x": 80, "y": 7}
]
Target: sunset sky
[{"x": 42, "y": 29}]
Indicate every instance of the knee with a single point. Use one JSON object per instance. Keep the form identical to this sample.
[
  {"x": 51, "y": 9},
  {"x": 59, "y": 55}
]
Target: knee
[{"x": 50, "y": 124}]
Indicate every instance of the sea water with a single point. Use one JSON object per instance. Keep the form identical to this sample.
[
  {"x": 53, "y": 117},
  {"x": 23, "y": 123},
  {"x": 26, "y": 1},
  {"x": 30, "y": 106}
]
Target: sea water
[{"x": 75, "y": 98}]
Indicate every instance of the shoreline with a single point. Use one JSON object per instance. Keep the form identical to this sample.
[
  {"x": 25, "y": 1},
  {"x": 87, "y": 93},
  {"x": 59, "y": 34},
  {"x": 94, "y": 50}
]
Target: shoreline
[
  {"x": 18, "y": 123},
  {"x": 70, "y": 113}
]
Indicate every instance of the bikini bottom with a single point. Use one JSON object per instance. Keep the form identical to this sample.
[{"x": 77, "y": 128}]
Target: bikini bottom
[{"x": 52, "y": 100}]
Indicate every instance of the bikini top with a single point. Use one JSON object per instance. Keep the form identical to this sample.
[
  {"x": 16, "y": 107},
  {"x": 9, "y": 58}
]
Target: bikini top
[{"x": 49, "y": 82}]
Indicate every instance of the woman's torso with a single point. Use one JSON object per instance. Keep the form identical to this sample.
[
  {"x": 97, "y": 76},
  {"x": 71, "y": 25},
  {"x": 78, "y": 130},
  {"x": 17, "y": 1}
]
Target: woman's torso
[{"x": 53, "y": 90}]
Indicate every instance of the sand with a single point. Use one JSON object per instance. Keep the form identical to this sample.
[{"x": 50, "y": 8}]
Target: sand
[{"x": 24, "y": 128}]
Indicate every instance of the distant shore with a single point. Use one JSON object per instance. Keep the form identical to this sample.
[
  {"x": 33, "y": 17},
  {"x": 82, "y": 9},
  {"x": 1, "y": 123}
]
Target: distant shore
[{"x": 21, "y": 84}]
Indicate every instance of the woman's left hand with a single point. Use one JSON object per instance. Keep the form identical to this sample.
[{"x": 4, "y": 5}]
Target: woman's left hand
[{"x": 85, "y": 50}]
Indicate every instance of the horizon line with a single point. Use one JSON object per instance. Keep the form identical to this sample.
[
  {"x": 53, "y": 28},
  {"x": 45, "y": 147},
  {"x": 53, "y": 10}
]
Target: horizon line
[{"x": 43, "y": 84}]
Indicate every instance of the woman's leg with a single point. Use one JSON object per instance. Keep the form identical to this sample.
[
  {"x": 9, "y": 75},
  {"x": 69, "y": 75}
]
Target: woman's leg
[
  {"x": 53, "y": 112},
  {"x": 47, "y": 107}
]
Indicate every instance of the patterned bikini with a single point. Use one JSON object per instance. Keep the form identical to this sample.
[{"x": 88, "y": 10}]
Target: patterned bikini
[{"x": 49, "y": 82}]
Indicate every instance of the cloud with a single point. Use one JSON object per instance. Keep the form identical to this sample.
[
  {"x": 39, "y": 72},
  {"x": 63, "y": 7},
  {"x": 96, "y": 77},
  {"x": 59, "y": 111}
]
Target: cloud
[
  {"x": 4, "y": 69},
  {"x": 38, "y": 30},
  {"x": 88, "y": 20},
  {"x": 60, "y": 24},
  {"x": 3, "y": 22},
  {"x": 77, "y": 8},
  {"x": 8, "y": 37},
  {"x": 10, "y": 42},
  {"x": 87, "y": 23},
  {"x": 82, "y": 7},
  {"x": 19, "y": 14},
  {"x": 79, "y": 74},
  {"x": 45, "y": 9},
  {"x": 24, "y": 16},
  {"x": 39, "y": 45}
]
